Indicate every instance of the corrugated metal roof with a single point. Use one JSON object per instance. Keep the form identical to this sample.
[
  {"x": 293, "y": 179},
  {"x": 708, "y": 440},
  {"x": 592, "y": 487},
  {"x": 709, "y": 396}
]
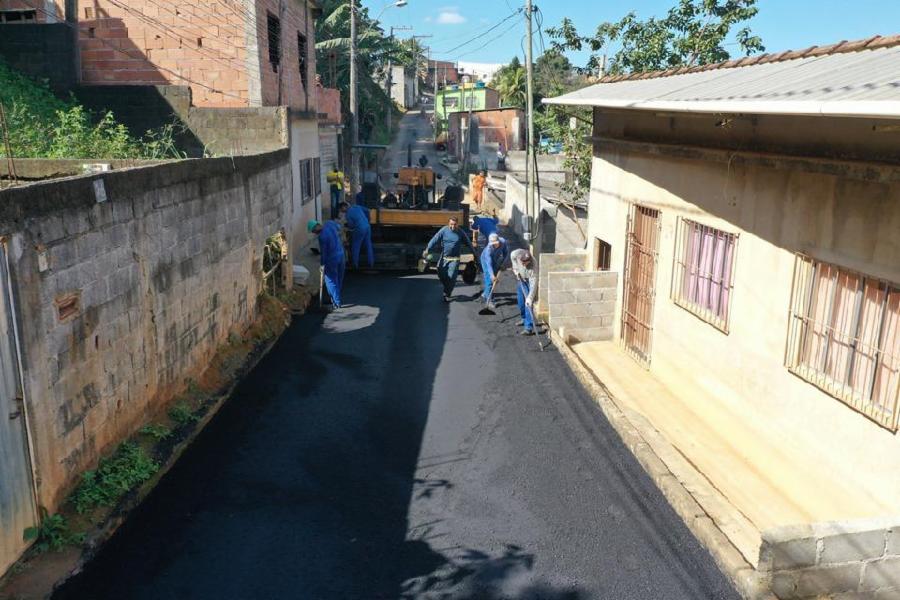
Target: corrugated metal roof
[{"x": 862, "y": 82}]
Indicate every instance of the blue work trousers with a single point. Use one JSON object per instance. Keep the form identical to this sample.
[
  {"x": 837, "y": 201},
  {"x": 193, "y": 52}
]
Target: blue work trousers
[
  {"x": 335, "y": 202},
  {"x": 488, "y": 283},
  {"x": 358, "y": 239},
  {"x": 334, "y": 280},
  {"x": 522, "y": 293},
  {"x": 447, "y": 272}
]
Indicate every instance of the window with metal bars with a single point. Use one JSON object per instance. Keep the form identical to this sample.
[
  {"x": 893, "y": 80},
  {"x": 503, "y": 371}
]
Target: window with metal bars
[
  {"x": 303, "y": 58},
  {"x": 317, "y": 176},
  {"x": 18, "y": 16},
  {"x": 844, "y": 337},
  {"x": 273, "y": 24},
  {"x": 704, "y": 271}
]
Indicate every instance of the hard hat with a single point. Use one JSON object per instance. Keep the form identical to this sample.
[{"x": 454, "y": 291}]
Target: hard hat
[{"x": 311, "y": 224}]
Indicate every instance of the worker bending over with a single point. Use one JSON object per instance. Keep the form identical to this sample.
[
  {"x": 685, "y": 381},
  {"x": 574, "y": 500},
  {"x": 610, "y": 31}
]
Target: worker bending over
[
  {"x": 356, "y": 219},
  {"x": 483, "y": 227},
  {"x": 492, "y": 259},
  {"x": 526, "y": 287},
  {"x": 331, "y": 252},
  {"x": 451, "y": 239}
]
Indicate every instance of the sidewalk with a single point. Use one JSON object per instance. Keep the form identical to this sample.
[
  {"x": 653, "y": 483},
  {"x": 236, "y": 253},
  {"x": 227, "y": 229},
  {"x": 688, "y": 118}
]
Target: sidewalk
[{"x": 753, "y": 476}]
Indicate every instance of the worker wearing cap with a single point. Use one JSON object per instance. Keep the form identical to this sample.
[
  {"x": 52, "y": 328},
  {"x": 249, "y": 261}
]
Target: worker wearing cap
[
  {"x": 356, "y": 219},
  {"x": 331, "y": 252},
  {"x": 335, "y": 178},
  {"x": 451, "y": 238},
  {"x": 492, "y": 259},
  {"x": 526, "y": 287}
]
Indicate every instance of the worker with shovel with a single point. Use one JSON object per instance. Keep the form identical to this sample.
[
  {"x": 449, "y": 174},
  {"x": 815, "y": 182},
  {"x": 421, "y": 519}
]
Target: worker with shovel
[
  {"x": 526, "y": 287},
  {"x": 451, "y": 238},
  {"x": 492, "y": 259},
  {"x": 331, "y": 252}
]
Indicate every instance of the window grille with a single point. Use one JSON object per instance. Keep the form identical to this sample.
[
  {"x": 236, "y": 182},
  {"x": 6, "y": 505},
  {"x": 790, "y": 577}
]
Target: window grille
[
  {"x": 703, "y": 279},
  {"x": 274, "y": 29},
  {"x": 844, "y": 337},
  {"x": 18, "y": 16},
  {"x": 317, "y": 176},
  {"x": 303, "y": 58}
]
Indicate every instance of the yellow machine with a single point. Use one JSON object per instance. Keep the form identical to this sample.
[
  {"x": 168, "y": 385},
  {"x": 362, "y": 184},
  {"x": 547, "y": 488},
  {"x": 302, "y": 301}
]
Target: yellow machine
[{"x": 403, "y": 224}]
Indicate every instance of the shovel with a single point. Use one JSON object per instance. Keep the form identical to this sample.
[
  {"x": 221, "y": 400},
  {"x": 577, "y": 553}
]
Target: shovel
[{"x": 488, "y": 306}]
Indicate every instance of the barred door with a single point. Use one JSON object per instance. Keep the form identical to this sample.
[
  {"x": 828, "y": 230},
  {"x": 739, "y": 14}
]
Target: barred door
[{"x": 641, "y": 256}]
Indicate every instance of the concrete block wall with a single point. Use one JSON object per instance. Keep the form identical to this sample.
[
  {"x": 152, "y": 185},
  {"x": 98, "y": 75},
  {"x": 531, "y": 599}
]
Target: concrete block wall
[
  {"x": 162, "y": 271},
  {"x": 555, "y": 263},
  {"x": 581, "y": 305},
  {"x": 854, "y": 560}
]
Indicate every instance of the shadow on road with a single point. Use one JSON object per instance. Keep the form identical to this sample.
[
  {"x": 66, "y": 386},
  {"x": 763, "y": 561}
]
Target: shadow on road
[{"x": 300, "y": 487}]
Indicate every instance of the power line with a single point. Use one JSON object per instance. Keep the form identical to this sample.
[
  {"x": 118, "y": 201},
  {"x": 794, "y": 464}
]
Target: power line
[
  {"x": 482, "y": 34},
  {"x": 505, "y": 31}
]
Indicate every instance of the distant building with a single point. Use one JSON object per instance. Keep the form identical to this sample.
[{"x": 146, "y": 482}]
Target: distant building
[
  {"x": 475, "y": 137},
  {"x": 470, "y": 96},
  {"x": 445, "y": 71},
  {"x": 404, "y": 86},
  {"x": 479, "y": 71}
]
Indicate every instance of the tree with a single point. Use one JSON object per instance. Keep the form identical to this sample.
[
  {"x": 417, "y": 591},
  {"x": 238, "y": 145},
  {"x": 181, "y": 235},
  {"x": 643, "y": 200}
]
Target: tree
[
  {"x": 513, "y": 87},
  {"x": 694, "y": 32},
  {"x": 374, "y": 51},
  {"x": 553, "y": 74}
]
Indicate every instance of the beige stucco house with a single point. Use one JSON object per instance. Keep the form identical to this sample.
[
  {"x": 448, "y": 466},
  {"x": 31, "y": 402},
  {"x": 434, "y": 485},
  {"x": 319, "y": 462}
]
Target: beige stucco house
[{"x": 749, "y": 216}]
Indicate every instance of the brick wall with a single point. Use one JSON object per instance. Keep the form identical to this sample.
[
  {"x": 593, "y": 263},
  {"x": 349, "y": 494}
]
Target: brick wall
[
  {"x": 329, "y": 105},
  {"x": 835, "y": 560},
  {"x": 41, "y": 51},
  {"x": 163, "y": 271},
  {"x": 220, "y": 50},
  {"x": 46, "y": 12},
  {"x": 582, "y": 304}
]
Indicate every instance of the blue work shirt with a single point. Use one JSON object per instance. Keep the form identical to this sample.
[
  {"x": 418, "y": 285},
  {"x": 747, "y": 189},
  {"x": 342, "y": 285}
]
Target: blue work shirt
[
  {"x": 451, "y": 242},
  {"x": 493, "y": 258},
  {"x": 485, "y": 226},
  {"x": 357, "y": 219},
  {"x": 331, "y": 249}
]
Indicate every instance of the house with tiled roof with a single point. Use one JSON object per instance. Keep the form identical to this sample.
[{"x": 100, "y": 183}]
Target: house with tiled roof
[{"x": 742, "y": 287}]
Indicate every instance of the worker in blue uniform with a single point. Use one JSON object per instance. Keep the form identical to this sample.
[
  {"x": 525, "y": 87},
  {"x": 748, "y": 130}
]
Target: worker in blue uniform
[
  {"x": 356, "y": 218},
  {"x": 493, "y": 258},
  {"x": 451, "y": 239},
  {"x": 331, "y": 252},
  {"x": 485, "y": 226}
]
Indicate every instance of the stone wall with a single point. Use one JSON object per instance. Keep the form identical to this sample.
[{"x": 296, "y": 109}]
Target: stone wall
[
  {"x": 842, "y": 560},
  {"x": 582, "y": 304},
  {"x": 126, "y": 283},
  {"x": 42, "y": 51}
]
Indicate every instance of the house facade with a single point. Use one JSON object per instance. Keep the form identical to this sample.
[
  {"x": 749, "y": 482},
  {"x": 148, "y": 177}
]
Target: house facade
[
  {"x": 749, "y": 215},
  {"x": 230, "y": 55}
]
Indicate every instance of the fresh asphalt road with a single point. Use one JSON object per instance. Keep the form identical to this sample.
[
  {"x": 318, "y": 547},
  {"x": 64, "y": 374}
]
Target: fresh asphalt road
[{"x": 404, "y": 448}]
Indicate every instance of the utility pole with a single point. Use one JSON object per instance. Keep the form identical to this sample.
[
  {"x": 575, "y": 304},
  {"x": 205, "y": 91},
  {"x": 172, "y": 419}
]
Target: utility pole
[
  {"x": 530, "y": 205},
  {"x": 434, "y": 128},
  {"x": 354, "y": 105}
]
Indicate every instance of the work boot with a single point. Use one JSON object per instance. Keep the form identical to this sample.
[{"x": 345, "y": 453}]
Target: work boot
[
  {"x": 521, "y": 323},
  {"x": 446, "y": 297},
  {"x": 491, "y": 306},
  {"x": 526, "y": 332}
]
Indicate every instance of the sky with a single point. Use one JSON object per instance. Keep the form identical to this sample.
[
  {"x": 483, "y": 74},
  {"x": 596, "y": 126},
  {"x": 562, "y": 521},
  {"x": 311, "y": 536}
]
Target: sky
[{"x": 782, "y": 24}]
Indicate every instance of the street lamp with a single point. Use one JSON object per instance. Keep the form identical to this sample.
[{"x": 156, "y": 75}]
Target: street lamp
[{"x": 397, "y": 4}]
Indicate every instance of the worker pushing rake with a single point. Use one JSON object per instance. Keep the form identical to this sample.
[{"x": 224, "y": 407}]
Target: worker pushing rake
[{"x": 492, "y": 260}]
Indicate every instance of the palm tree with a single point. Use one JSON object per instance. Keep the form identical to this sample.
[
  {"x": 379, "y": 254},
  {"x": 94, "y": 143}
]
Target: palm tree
[{"x": 512, "y": 87}]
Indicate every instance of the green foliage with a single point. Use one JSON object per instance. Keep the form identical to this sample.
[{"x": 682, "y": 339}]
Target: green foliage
[
  {"x": 114, "y": 476},
  {"x": 182, "y": 414},
  {"x": 374, "y": 51},
  {"x": 157, "y": 432},
  {"x": 44, "y": 126},
  {"x": 693, "y": 32},
  {"x": 52, "y": 533},
  {"x": 512, "y": 86}
]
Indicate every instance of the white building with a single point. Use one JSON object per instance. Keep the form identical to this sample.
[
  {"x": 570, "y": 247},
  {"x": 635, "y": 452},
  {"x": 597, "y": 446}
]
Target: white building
[{"x": 478, "y": 71}]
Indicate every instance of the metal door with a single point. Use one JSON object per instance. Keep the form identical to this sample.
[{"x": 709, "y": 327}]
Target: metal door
[
  {"x": 641, "y": 256},
  {"x": 17, "y": 505}
]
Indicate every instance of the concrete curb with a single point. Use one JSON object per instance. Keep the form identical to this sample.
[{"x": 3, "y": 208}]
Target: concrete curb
[{"x": 750, "y": 583}]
